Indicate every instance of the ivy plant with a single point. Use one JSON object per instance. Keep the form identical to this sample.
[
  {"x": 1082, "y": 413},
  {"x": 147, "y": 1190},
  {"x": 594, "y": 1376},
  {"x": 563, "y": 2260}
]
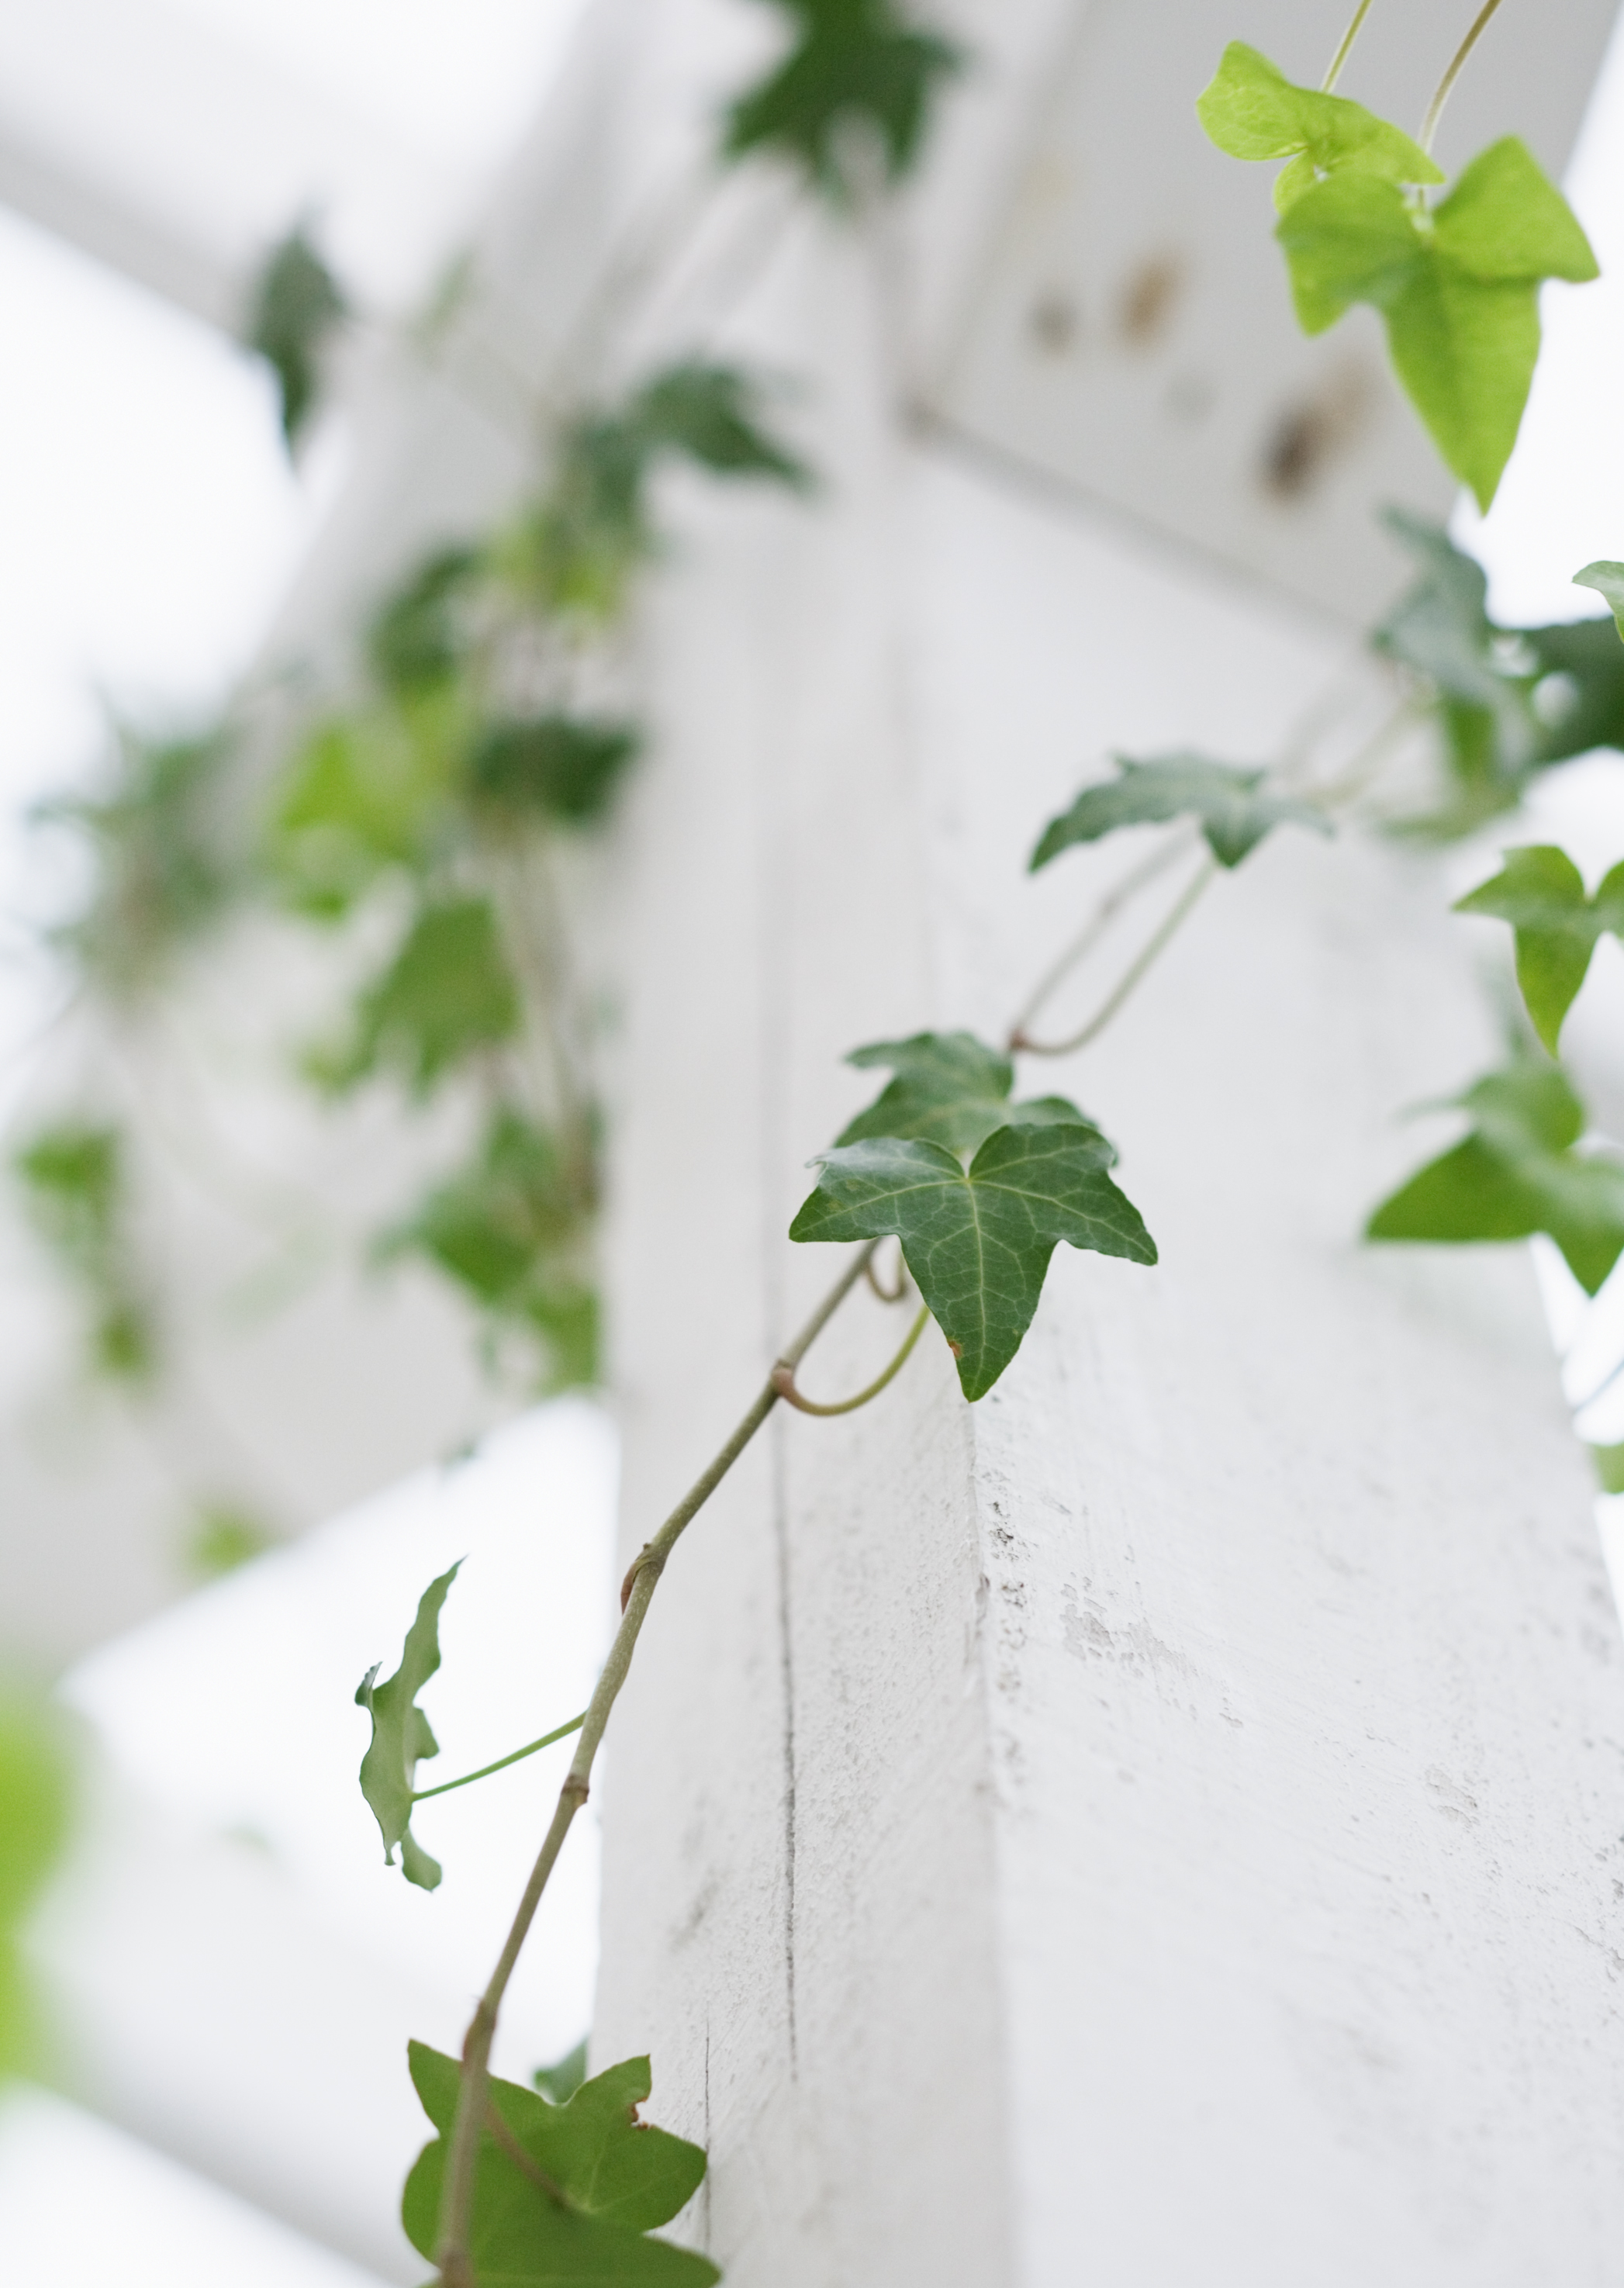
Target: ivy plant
[{"x": 856, "y": 72}]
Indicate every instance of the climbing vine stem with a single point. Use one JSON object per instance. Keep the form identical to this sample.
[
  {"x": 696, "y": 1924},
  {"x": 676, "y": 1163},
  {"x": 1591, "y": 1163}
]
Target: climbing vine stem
[
  {"x": 1154, "y": 946},
  {"x": 1435, "y": 109},
  {"x": 783, "y": 1378},
  {"x": 1345, "y": 48}
]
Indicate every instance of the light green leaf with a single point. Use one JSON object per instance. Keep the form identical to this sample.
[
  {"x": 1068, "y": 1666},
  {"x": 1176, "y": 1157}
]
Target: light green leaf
[
  {"x": 1606, "y": 577},
  {"x": 949, "y": 1089},
  {"x": 402, "y": 1738},
  {"x": 1253, "y": 111},
  {"x": 558, "y": 2083},
  {"x": 1234, "y": 810},
  {"x": 447, "y": 994},
  {"x": 1514, "y": 1174},
  {"x": 1609, "y": 1462},
  {"x": 592, "y": 2184},
  {"x": 1542, "y": 893},
  {"x": 977, "y": 1243},
  {"x": 1457, "y": 285},
  {"x": 36, "y": 1795}
]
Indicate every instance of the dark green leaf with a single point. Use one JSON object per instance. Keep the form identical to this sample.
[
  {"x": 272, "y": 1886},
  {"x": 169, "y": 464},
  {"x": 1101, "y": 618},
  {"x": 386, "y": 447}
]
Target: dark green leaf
[
  {"x": 1608, "y": 578},
  {"x": 297, "y": 308},
  {"x": 1514, "y": 1174},
  {"x": 553, "y": 765},
  {"x": 1234, "y": 808},
  {"x": 979, "y": 1242},
  {"x": 402, "y": 1738},
  {"x": 1542, "y": 893},
  {"x": 1253, "y": 111},
  {"x": 447, "y": 994},
  {"x": 417, "y": 638},
  {"x": 710, "y": 414},
  {"x": 558, "y": 2083},
  {"x": 949, "y": 1089},
  {"x": 854, "y": 67},
  {"x": 593, "y": 2183},
  {"x": 1457, "y": 285},
  {"x": 512, "y": 1228}
]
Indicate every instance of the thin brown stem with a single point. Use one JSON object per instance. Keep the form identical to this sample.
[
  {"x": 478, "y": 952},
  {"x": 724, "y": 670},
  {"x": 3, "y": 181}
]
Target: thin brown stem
[
  {"x": 783, "y": 1378},
  {"x": 1330, "y": 82},
  {"x": 1100, "y": 921},
  {"x": 456, "y": 2203},
  {"x": 1154, "y": 946},
  {"x": 1435, "y": 109}
]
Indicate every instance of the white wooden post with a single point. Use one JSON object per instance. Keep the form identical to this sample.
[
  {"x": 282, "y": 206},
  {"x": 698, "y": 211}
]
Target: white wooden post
[{"x": 1161, "y": 1824}]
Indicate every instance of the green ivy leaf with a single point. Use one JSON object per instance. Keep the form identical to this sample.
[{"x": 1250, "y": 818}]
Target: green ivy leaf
[
  {"x": 1233, "y": 808},
  {"x": 1253, "y": 111},
  {"x": 558, "y": 2083},
  {"x": 710, "y": 414},
  {"x": 417, "y": 638},
  {"x": 568, "y": 2194},
  {"x": 447, "y": 994},
  {"x": 1608, "y": 578},
  {"x": 1542, "y": 893},
  {"x": 1457, "y": 285},
  {"x": 949, "y": 1089},
  {"x": 561, "y": 766},
  {"x": 1514, "y": 1174},
  {"x": 853, "y": 63},
  {"x": 1609, "y": 1462},
  {"x": 402, "y": 1738},
  {"x": 76, "y": 1193},
  {"x": 297, "y": 308},
  {"x": 365, "y": 795},
  {"x": 36, "y": 1795},
  {"x": 977, "y": 1242},
  {"x": 511, "y": 1229}
]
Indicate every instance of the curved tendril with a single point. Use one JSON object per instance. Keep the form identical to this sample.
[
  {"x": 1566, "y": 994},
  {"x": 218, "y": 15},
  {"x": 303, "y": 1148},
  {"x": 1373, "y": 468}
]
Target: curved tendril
[
  {"x": 1435, "y": 109},
  {"x": 1340, "y": 57},
  {"x": 783, "y": 1377}
]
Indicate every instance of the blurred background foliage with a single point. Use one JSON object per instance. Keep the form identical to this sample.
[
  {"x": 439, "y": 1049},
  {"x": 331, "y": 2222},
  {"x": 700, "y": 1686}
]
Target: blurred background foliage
[{"x": 35, "y": 1815}]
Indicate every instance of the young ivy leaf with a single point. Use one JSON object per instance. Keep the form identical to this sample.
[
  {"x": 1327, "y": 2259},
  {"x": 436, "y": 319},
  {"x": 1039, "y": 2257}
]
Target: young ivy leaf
[
  {"x": 1457, "y": 285},
  {"x": 1542, "y": 893},
  {"x": 447, "y": 994},
  {"x": 563, "y": 2195},
  {"x": 853, "y": 63},
  {"x": 949, "y": 1089},
  {"x": 1516, "y": 1173},
  {"x": 1253, "y": 111},
  {"x": 978, "y": 1241},
  {"x": 1608, "y": 578},
  {"x": 402, "y": 1738},
  {"x": 296, "y": 305},
  {"x": 1234, "y": 811}
]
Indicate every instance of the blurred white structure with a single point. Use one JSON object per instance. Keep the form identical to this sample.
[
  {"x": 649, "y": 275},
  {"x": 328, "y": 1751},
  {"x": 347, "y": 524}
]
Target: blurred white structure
[{"x": 1162, "y": 1824}]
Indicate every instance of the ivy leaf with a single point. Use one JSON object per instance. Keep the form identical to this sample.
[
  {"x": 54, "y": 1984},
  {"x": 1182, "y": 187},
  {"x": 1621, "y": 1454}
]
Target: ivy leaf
[
  {"x": 710, "y": 414},
  {"x": 296, "y": 306},
  {"x": 35, "y": 1806},
  {"x": 364, "y": 795},
  {"x": 565, "y": 2195},
  {"x": 949, "y": 1089},
  {"x": 77, "y": 1196},
  {"x": 1514, "y": 1174},
  {"x": 558, "y": 2083},
  {"x": 402, "y": 1738},
  {"x": 447, "y": 994},
  {"x": 1608, "y": 578},
  {"x": 1253, "y": 111},
  {"x": 977, "y": 1242},
  {"x": 1542, "y": 893},
  {"x": 512, "y": 1228},
  {"x": 553, "y": 765},
  {"x": 855, "y": 63},
  {"x": 417, "y": 638},
  {"x": 1234, "y": 811},
  {"x": 1457, "y": 285}
]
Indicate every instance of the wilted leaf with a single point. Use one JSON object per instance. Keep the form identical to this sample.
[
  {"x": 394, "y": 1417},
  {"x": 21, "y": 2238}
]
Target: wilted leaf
[
  {"x": 562, "y": 767},
  {"x": 402, "y": 1738},
  {"x": 1457, "y": 285},
  {"x": 1514, "y": 1174},
  {"x": 853, "y": 65},
  {"x": 949, "y": 1089},
  {"x": 1253, "y": 111},
  {"x": 568, "y": 2194},
  {"x": 1234, "y": 808},
  {"x": 1542, "y": 893},
  {"x": 977, "y": 1243},
  {"x": 297, "y": 308}
]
